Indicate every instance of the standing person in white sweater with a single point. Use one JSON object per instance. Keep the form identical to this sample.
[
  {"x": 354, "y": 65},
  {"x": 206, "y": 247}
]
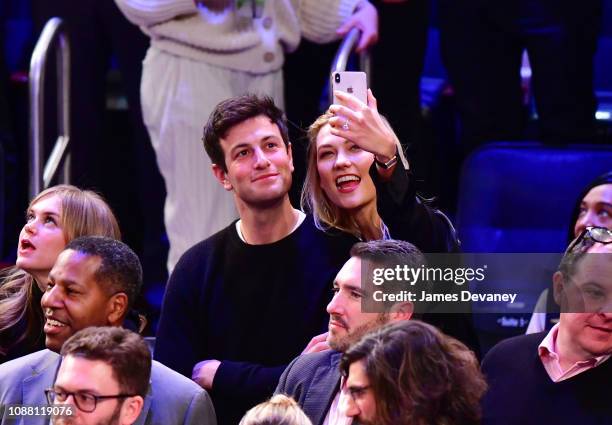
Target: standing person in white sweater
[{"x": 203, "y": 52}]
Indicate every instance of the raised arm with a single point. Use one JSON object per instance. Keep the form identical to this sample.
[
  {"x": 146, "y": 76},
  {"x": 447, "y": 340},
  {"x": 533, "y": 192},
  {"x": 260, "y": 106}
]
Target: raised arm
[{"x": 407, "y": 216}]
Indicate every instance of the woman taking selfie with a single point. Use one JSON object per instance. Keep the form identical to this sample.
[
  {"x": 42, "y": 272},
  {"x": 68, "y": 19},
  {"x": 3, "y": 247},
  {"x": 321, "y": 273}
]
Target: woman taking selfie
[
  {"x": 357, "y": 180},
  {"x": 54, "y": 217}
]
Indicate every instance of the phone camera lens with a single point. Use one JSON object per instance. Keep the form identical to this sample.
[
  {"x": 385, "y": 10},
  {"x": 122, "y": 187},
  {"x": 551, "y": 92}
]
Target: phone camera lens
[{"x": 337, "y": 78}]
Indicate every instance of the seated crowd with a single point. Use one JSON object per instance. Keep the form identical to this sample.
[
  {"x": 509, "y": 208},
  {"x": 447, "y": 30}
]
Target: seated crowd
[{"x": 245, "y": 312}]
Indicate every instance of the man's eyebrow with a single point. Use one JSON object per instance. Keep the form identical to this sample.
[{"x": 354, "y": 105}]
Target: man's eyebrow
[
  {"x": 353, "y": 288},
  {"x": 65, "y": 282},
  {"x": 356, "y": 387},
  {"x": 239, "y": 146},
  {"x": 90, "y": 391}
]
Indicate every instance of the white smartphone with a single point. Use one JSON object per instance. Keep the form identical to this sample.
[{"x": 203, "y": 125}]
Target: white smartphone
[{"x": 351, "y": 82}]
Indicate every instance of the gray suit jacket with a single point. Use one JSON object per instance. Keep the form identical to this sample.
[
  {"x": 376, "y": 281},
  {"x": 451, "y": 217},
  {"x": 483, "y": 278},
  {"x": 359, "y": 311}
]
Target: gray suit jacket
[
  {"x": 172, "y": 399},
  {"x": 312, "y": 380}
]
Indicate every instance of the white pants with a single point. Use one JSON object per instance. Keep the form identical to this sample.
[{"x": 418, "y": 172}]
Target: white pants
[{"x": 178, "y": 96}]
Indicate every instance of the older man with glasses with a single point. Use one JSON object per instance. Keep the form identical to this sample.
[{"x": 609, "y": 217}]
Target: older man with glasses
[{"x": 563, "y": 376}]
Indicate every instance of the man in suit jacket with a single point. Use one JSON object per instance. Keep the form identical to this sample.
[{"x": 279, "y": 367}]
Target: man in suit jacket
[
  {"x": 313, "y": 379},
  {"x": 94, "y": 283}
]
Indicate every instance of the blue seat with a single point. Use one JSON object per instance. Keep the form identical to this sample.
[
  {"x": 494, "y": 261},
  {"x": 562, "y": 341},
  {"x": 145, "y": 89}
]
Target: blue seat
[{"x": 518, "y": 197}]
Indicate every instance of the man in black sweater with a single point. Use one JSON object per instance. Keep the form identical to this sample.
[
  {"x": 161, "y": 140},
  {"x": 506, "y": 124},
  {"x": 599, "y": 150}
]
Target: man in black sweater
[
  {"x": 562, "y": 377},
  {"x": 244, "y": 302}
]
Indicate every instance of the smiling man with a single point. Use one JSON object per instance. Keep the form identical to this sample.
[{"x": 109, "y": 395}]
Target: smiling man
[
  {"x": 94, "y": 282},
  {"x": 244, "y": 302},
  {"x": 561, "y": 377}
]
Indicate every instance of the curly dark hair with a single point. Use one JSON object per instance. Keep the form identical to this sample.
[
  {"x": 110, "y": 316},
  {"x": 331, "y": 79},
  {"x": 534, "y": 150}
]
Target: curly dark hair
[{"x": 419, "y": 375}]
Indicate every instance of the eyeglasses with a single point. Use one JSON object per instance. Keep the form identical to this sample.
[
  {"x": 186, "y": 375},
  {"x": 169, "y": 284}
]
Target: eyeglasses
[
  {"x": 596, "y": 234},
  {"x": 84, "y": 401}
]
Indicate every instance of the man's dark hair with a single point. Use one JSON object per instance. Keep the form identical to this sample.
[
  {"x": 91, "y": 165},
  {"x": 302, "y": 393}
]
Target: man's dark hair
[
  {"x": 382, "y": 251},
  {"x": 388, "y": 254},
  {"x": 234, "y": 111},
  {"x": 125, "y": 351},
  {"x": 419, "y": 375},
  {"x": 119, "y": 270}
]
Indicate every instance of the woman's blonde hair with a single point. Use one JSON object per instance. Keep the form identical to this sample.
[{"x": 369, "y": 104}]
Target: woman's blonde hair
[
  {"x": 326, "y": 214},
  {"x": 279, "y": 410},
  {"x": 82, "y": 212}
]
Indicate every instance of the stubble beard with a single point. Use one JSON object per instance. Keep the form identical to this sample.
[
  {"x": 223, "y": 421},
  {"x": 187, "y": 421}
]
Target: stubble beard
[{"x": 344, "y": 342}]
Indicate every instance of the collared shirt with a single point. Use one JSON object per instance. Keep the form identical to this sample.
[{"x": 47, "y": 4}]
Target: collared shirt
[
  {"x": 335, "y": 414},
  {"x": 547, "y": 351}
]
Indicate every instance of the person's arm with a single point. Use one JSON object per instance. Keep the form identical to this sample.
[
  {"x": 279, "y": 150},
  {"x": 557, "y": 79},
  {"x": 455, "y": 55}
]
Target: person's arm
[
  {"x": 363, "y": 125},
  {"x": 150, "y": 12},
  {"x": 206, "y": 374},
  {"x": 405, "y": 214},
  {"x": 323, "y": 21},
  {"x": 179, "y": 342},
  {"x": 245, "y": 380}
]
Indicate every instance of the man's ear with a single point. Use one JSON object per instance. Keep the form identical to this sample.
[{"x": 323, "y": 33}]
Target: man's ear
[
  {"x": 117, "y": 309},
  {"x": 401, "y": 311},
  {"x": 131, "y": 408},
  {"x": 221, "y": 177},
  {"x": 290, "y": 154},
  {"x": 558, "y": 289}
]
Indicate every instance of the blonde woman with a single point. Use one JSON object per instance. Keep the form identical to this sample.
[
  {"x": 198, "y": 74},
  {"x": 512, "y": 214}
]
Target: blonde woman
[
  {"x": 279, "y": 410},
  {"x": 358, "y": 181},
  {"x": 54, "y": 217}
]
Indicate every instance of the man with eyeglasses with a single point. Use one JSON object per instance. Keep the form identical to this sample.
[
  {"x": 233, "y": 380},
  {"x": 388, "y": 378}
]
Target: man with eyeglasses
[
  {"x": 411, "y": 373},
  {"x": 104, "y": 376},
  {"x": 94, "y": 282},
  {"x": 563, "y": 376}
]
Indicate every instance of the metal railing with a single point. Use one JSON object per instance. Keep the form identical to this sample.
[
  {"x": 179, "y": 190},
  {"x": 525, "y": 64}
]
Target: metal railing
[
  {"x": 347, "y": 46},
  {"x": 39, "y": 179}
]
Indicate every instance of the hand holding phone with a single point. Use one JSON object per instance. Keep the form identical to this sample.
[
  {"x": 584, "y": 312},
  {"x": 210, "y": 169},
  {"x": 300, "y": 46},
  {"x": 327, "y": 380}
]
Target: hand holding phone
[{"x": 361, "y": 123}]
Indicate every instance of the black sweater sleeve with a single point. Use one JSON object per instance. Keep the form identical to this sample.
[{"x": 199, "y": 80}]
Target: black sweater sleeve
[
  {"x": 407, "y": 216},
  {"x": 179, "y": 339}
]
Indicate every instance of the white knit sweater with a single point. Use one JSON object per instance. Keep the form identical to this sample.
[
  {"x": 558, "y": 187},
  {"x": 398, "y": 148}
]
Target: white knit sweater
[{"x": 225, "y": 39}]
